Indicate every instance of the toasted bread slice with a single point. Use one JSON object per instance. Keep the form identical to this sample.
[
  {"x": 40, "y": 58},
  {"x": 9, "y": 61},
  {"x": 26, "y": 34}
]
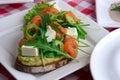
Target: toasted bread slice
[{"x": 39, "y": 69}]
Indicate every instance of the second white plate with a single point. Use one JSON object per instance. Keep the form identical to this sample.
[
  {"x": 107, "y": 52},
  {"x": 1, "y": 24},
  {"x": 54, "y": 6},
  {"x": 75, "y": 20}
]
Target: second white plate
[
  {"x": 105, "y": 59},
  {"x": 102, "y": 12}
]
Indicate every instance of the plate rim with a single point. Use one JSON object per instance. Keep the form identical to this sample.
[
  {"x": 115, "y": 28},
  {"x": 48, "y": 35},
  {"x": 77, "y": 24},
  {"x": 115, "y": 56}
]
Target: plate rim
[
  {"x": 94, "y": 53},
  {"x": 14, "y": 1}
]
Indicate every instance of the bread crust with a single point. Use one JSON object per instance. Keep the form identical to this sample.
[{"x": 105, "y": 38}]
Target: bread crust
[{"x": 41, "y": 69}]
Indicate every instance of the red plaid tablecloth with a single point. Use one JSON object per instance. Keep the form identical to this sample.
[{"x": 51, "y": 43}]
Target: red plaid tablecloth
[{"x": 85, "y": 6}]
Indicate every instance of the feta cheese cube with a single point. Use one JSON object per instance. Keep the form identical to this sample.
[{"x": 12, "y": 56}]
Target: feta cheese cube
[
  {"x": 29, "y": 51},
  {"x": 72, "y": 32},
  {"x": 51, "y": 34}
]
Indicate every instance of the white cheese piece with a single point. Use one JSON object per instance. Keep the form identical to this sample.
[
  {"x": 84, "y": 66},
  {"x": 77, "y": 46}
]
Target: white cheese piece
[
  {"x": 72, "y": 32},
  {"x": 29, "y": 51},
  {"x": 50, "y": 34}
]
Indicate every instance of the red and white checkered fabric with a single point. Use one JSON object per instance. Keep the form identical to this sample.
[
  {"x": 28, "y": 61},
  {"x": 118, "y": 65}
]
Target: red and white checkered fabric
[
  {"x": 6, "y": 10},
  {"x": 87, "y": 7}
]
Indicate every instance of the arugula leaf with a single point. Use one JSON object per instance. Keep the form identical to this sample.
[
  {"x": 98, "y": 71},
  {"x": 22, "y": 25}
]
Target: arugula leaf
[
  {"x": 58, "y": 17},
  {"x": 42, "y": 44},
  {"x": 79, "y": 26},
  {"x": 55, "y": 27},
  {"x": 45, "y": 20},
  {"x": 81, "y": 32},
  {"x": 19, "y": 51},
  {"x": 60, "y": 39},
  {"x": 44, "y": 24},
  {"x": 42, "y": 56},
  {"x": 35, "y": 10},
  {"x": 50, "y": 54}
]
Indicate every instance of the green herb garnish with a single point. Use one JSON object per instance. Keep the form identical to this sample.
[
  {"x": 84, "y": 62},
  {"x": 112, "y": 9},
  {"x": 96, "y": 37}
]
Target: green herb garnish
[
  {"x": 36, "y": 34},
  {"x": 42, "y": 44},
  {"x": 35, "y": 10},
  {"x": 116, "y": 8}
]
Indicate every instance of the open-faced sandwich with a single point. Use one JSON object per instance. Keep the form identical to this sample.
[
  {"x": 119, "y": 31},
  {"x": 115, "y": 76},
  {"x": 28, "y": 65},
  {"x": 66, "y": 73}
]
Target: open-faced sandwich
[{"x": 51, "y": 38}]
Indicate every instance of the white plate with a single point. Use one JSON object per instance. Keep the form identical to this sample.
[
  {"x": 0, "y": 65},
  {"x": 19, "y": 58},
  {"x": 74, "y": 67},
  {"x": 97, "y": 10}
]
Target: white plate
[
  {"x": 105, "y": 59},
  {"x": 102, "y": 12},
  {"x": 10, "y": 34},
  {"x": 14, "y": 1}
]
